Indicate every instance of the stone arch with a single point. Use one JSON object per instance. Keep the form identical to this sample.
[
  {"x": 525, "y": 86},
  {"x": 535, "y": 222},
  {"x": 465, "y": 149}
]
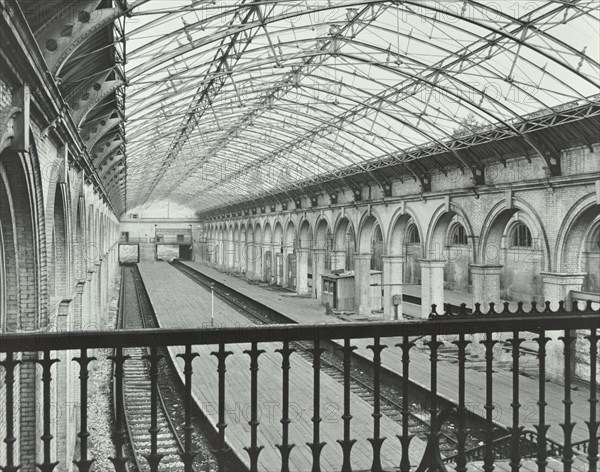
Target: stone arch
[
  {"x": 493, "y": 233},
  {"x": 268, "y": 256},
  {"x": 576, "y": 250},
  {"x": 521, "y": 267},
  {"x": 23, "y": 268},
  {"x": 305, "y": 234},
  {"x": 58, "y": 257},
  {"x": 236, "y": 244},
  {"x": 9, "y": 275},
  {"x": 230, "y": 246},
  {"x": 366, "y": 229},
  {"x": 257, "y": 250},
  {"x": 344, "y": 244},
  {"x": 267, "y": 233},
  {"x": 457, "y": 256},
  {"x": 399, "y": 244},
  {"x": 377, "y": 247},
  {"x": 289, "y": 254},
  {"x": 277, "y": 237}
]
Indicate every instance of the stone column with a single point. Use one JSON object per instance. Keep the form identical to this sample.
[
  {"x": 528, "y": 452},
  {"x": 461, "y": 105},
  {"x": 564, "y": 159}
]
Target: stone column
[
  {"x": 65, "y": 381},
  {"x": 230, "y": 255},
  {"x": 318, "y": 258},
  {"x": 78, "y": 305},
  {"x": 432, "y": 286},
  {"x": 302, "y": 271},
  {"x": 557, "y": 287},
  {"x": 89, "y": 318},
  {"x": 284, "y": 276},
  {"x": 362, "y": 284},
  {"x": 338, "y": 260},
  {"x": 259, "y": 270},
  {"x": 393, "y": 277},
  {"x": 486, "y": 285}
]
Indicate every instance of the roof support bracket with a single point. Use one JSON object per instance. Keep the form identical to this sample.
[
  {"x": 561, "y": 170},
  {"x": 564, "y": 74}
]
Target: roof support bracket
[
  {"x": 475, "y": 166},
  {"x": 421, "y": 175},
  {"x": 546, "y": 150},
  {"x": 97, "y": 129},
  {"x": 60, "y": 37},
  {"x": 93, "y": 92}
]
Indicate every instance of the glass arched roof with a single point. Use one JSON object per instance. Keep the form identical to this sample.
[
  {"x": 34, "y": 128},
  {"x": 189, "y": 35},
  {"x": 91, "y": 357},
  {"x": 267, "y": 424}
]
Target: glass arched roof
[{"x": 227, "y": 100}]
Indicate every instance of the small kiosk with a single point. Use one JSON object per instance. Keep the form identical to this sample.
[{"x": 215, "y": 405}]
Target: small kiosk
[{"x": 338, "y": 289}]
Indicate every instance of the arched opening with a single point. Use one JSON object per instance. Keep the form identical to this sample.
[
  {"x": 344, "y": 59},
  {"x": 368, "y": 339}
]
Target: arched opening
[
  {"x": 20, "y": 308},
  {"x": 79, "y": 242},
  {"x": 230, "y": 247},
  {"x": 368, "y": 272},
  {"x": 413, "y": 253},
  {"x": 579, "y": 244},
  {"x": 268, "y": 254},
  {"x": 58, "y": 259},
  {"x": 278, "y": 253},
  {"x": 377, "y": 249},
  {"x": 324, "y": 243},
  {"x": 520, "y": 236},
  {"x": 514, "y": 241},
  {"x": 249, "y": 250},
  {"x": 344, "y": 246},
  {"x": 304, "y": 277},
  {"x": 590, "y": 260},
  {"x": 9, "y": 303},
  {"x": 289, "y": 252},
  {"x": 457, "y": 275},
  {"x": 236, "y": 246},
  {"x": 257, "y": 252},
  {"x": 458, "y": 235},
  {"x": 448, "y": 241}
]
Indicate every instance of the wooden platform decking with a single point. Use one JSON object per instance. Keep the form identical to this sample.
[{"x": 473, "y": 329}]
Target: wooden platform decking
[
  {"x": 179, "y": 302},
  {"x": 303, "y": 310}
]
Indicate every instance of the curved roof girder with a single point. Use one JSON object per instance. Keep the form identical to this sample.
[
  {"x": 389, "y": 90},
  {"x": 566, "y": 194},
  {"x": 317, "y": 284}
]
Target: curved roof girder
[{"x": 510, "y": 35}]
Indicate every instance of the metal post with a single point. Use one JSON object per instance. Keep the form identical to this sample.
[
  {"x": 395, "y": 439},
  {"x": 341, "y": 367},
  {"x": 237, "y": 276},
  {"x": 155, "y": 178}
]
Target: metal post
[{"x": 212, "y": 304}]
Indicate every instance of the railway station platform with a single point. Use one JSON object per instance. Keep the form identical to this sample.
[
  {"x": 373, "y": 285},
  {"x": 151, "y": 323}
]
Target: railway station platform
[
  {"x": 309, "y": 311},
  {"x": 179, "y": 302}
]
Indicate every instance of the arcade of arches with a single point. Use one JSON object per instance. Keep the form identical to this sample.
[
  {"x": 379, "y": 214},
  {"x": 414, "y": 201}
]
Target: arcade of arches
[{"x": 351, "y": 143}]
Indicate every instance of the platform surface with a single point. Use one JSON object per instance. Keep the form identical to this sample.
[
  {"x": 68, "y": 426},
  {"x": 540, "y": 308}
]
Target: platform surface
[
  {"x": 181, "y": 303},
  {"x": 310, "y": 311}
]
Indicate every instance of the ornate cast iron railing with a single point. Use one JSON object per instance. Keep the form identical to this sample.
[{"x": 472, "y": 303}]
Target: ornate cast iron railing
[{"x": 572, "y": 323}]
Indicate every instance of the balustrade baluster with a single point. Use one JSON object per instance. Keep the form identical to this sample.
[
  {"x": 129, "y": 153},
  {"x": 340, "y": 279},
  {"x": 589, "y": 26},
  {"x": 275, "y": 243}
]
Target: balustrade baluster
[
  {"x": 376, "y": 441},
  {"x": 593, "y": 423},
  {"x": 285, "y": 448},
  {"x": 46, "y": 363},
  {"x": 316, "y": 446},
  {"x": 222, "y": 449},
  {"x": 568, "y": 425},
  {"x": 83, "y": 464},
  {"x": 254, "y": 450},
  {"x": 347, "y": 442},
  {"x": 542, "y": 427},
  {"x": 154, "y": 457},
  {"x": 9, "y": 364},
  {"x": 119, "y": 435},
  {"x": 406, "y": 437},
  {"x": 461, "y": 434},
  {"x": 515, "y": 457},
  {"x": 488, "y": 460},
  {"x": 188, "y": 455},
  {"x": 432, "y": 458}
]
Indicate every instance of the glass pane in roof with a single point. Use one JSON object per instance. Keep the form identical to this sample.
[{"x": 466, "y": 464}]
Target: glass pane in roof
[{"x": 232, "y": 100}]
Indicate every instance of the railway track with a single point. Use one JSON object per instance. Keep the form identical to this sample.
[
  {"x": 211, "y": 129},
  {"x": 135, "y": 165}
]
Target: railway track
[
  {"x": 417, "y": 426},
  {"x": 137, "y": 389}
]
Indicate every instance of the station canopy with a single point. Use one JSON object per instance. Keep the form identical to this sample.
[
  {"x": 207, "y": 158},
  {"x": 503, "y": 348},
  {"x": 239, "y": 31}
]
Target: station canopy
[{"x": 233, "y": 100}]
